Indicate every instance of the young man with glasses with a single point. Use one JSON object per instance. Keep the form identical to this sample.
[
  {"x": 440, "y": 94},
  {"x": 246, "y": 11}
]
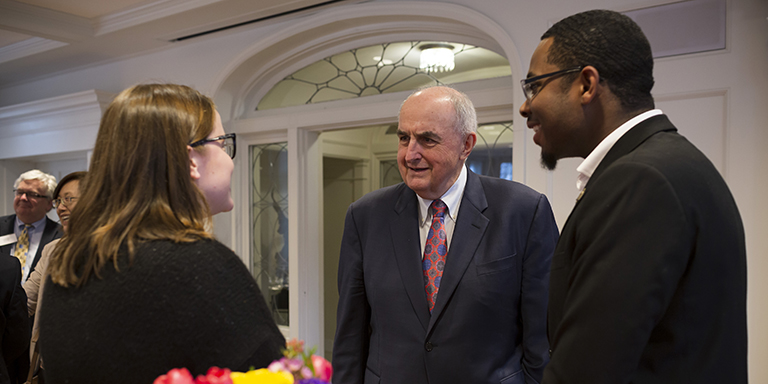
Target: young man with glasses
[
  {"x": 25, "y": 233},
  {"x": 648, "y": 279}
]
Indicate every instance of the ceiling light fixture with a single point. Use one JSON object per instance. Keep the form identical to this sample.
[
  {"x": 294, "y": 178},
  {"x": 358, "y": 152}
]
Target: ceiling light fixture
[{"x": 436, "y": 57}]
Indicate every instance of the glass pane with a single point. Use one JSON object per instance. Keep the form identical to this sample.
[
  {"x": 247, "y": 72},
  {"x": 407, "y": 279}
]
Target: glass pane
[
  {"x": 346, "y": 61},
  {"x": 377, "y": 69},
  {"x": 316, "y": 73},
  {"x": 390, "y": 175},
  {"x": 269, "y": 225},
  {"x": 344, "y": 84},
  {"x": 492, "y": 155}
]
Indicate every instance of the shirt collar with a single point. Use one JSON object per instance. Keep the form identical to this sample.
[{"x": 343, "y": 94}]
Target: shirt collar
[
  {"x": 589, "y": 165},
  {"x": 451, "y": 198},
  {"x": 36, "y": 224}
]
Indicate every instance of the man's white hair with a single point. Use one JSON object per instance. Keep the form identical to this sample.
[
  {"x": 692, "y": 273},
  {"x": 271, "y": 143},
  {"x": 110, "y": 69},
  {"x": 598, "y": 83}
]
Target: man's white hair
[
  {"x": 465, "y": 121},
  {"x": 49, "y": 181}
]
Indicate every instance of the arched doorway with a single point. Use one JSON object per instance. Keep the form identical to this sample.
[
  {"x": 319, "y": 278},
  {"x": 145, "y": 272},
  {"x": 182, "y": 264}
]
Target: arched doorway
[{"x": 299, "y": 128}]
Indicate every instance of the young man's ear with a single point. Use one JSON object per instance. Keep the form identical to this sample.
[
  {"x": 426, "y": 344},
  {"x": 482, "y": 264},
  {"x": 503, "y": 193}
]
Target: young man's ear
[
  {"x": 590, "y": 84},
  {"x": 194, "y": 160}
]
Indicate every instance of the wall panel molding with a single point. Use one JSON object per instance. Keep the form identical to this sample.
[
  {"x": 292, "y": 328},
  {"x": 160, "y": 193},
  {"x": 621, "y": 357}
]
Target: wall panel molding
[
  {"x": 708, "y": 127},
  {"x": 60, "y": 124}
]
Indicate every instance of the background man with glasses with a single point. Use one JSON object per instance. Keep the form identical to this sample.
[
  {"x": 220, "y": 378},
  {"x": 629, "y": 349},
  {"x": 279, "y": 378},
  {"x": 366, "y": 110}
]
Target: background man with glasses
[
  {"x": 32, "y": 200},
  {"x": 648, "y": 279}
]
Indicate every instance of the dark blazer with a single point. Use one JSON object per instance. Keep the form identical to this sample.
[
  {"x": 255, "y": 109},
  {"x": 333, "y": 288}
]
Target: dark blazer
[
  {"x": 488, "y": 323},
  {"x": 52, "y": 231},
  {"x": 648, "y": 279},
  {"x": 14, "y": 323}
]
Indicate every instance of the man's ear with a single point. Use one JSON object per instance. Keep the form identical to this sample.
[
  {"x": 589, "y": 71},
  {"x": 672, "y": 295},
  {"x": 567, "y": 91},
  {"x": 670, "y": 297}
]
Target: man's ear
[
  {"x": 194, "y": 161},
  {"x": 590, "y": 84},
  {"x": 469, "y": 143}
]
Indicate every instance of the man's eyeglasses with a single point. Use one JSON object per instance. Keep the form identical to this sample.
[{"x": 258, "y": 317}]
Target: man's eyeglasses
[
  {"x": 65, "y": 201},
  {"x": 229, "y": 143},
  {"x": 30, "y": 194},
  {"x": 532, "y": 85}
]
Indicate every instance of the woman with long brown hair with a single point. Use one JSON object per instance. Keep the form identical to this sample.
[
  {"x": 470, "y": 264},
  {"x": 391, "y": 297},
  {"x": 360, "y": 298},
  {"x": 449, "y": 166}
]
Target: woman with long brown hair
[{"x": 139, "y": 284}]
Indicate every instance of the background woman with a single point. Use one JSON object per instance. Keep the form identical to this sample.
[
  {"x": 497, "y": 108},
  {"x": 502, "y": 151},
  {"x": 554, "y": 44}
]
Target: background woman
[
  {"x": 140, "y": 285},
  {"x": 64, "y": 199}
]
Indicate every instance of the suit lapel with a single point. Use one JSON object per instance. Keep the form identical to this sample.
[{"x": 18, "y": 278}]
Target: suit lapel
[
  {"x": 626, "y": 144},
  {"x": 51, "y": 231},
  {"x": 630, "y": 140},
  {"x": 404, "y": 232},
  {"x": 470, "y": 227},
  {"x": 6, "y": 228}
]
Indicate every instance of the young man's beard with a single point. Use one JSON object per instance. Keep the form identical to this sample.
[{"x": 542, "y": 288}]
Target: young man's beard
[{"x": 548, "y": 160}]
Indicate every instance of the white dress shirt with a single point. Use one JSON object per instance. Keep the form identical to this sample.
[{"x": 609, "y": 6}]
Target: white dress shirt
[
  {"x": 35, "y": 235},
  {"x": 588, "y": 166},
  {"x": 452, "y": 199}
]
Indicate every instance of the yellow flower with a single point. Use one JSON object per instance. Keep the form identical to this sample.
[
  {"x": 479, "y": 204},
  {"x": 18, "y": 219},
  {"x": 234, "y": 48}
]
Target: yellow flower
[{"x": 261, "y": 376}]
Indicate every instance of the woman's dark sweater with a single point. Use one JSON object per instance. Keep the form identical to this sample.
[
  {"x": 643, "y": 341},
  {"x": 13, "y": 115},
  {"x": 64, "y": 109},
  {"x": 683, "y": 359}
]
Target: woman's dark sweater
[{"x": 192, "y": 305}]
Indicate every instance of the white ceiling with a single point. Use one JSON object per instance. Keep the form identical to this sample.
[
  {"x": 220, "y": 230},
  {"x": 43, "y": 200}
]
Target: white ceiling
[
  {"x": 40, "y": 37},
  {"x": 85, "y": 8}
]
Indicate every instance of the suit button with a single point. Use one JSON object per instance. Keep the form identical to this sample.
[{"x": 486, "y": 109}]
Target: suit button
[{"x": 428, "y": 346}]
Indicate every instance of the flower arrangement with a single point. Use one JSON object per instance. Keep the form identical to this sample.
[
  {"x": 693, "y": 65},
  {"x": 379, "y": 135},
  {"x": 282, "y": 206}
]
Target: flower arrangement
[{"x": 296, "y": 367}]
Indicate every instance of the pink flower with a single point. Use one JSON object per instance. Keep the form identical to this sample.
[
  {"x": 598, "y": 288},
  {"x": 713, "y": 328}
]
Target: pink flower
[
  {"x": 176, "y": 376},
  {"x": 298, "y": 366},
  {"x": 293, "y": 365},
  {"x": 215, "y": 375},
  {"x": 295, "y": 346},
  {"x": 323, "y": 369},
  {"x": 277, "y": 366}
]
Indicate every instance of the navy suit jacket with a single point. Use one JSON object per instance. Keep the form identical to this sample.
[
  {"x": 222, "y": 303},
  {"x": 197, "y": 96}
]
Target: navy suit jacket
[
  {"x": 14, "y": 323},
  {"x": 52, "y": 231},
  {"x": 649, "y": 276},
  {"x": 488, "y": 323}
]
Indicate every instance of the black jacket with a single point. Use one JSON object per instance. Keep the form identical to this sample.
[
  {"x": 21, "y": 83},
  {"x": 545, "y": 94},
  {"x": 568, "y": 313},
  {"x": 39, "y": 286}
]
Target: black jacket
[
  {"x": 14, "y": 323},
  {"x": 648, "y": 281}
]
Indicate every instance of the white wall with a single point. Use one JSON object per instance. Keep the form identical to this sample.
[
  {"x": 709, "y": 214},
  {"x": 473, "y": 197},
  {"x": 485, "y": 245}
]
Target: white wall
[{"x": 739, "y": 74}]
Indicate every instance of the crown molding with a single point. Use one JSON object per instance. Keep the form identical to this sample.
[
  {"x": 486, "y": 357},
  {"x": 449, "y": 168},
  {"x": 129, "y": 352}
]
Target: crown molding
[
  {"x": 28, "y": 47},
  {"x": 43, "y": 22},
  {"x": 55, "y": 113},
  {"x": 145, "y": 13},
  {"x": 67, "y": 123}
]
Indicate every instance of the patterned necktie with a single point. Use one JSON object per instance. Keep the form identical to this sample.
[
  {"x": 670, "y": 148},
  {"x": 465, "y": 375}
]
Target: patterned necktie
[
  {"x": 22, "y": 245},
  {"x": 434, "y": 252}
]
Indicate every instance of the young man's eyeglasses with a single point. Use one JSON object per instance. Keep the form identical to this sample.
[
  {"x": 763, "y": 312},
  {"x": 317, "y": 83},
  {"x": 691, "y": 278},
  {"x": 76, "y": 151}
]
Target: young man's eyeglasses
[
  {"x": 532, "y": 85},
  {"x": 228, "y": 143},
  {"x": 65, "y": 201},
  {"x": 30, "y": 194}
]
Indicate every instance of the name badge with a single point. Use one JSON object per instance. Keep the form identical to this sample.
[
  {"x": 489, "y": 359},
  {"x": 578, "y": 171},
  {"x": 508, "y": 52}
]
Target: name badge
[{"x": 7, "y": 239}]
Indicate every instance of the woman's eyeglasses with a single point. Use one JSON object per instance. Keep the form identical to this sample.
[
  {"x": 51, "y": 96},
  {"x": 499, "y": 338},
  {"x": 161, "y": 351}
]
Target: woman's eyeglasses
[
  {"x": 65, "y": 201},
  {"x": 228, "y": 143}
]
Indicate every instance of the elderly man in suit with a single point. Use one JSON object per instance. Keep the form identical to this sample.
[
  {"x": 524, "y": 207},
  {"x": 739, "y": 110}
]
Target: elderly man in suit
[
  {"x": 443, "y": 278},
  {"x": 648, "y": 278},
  {"x": 25, "y": 233}
]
